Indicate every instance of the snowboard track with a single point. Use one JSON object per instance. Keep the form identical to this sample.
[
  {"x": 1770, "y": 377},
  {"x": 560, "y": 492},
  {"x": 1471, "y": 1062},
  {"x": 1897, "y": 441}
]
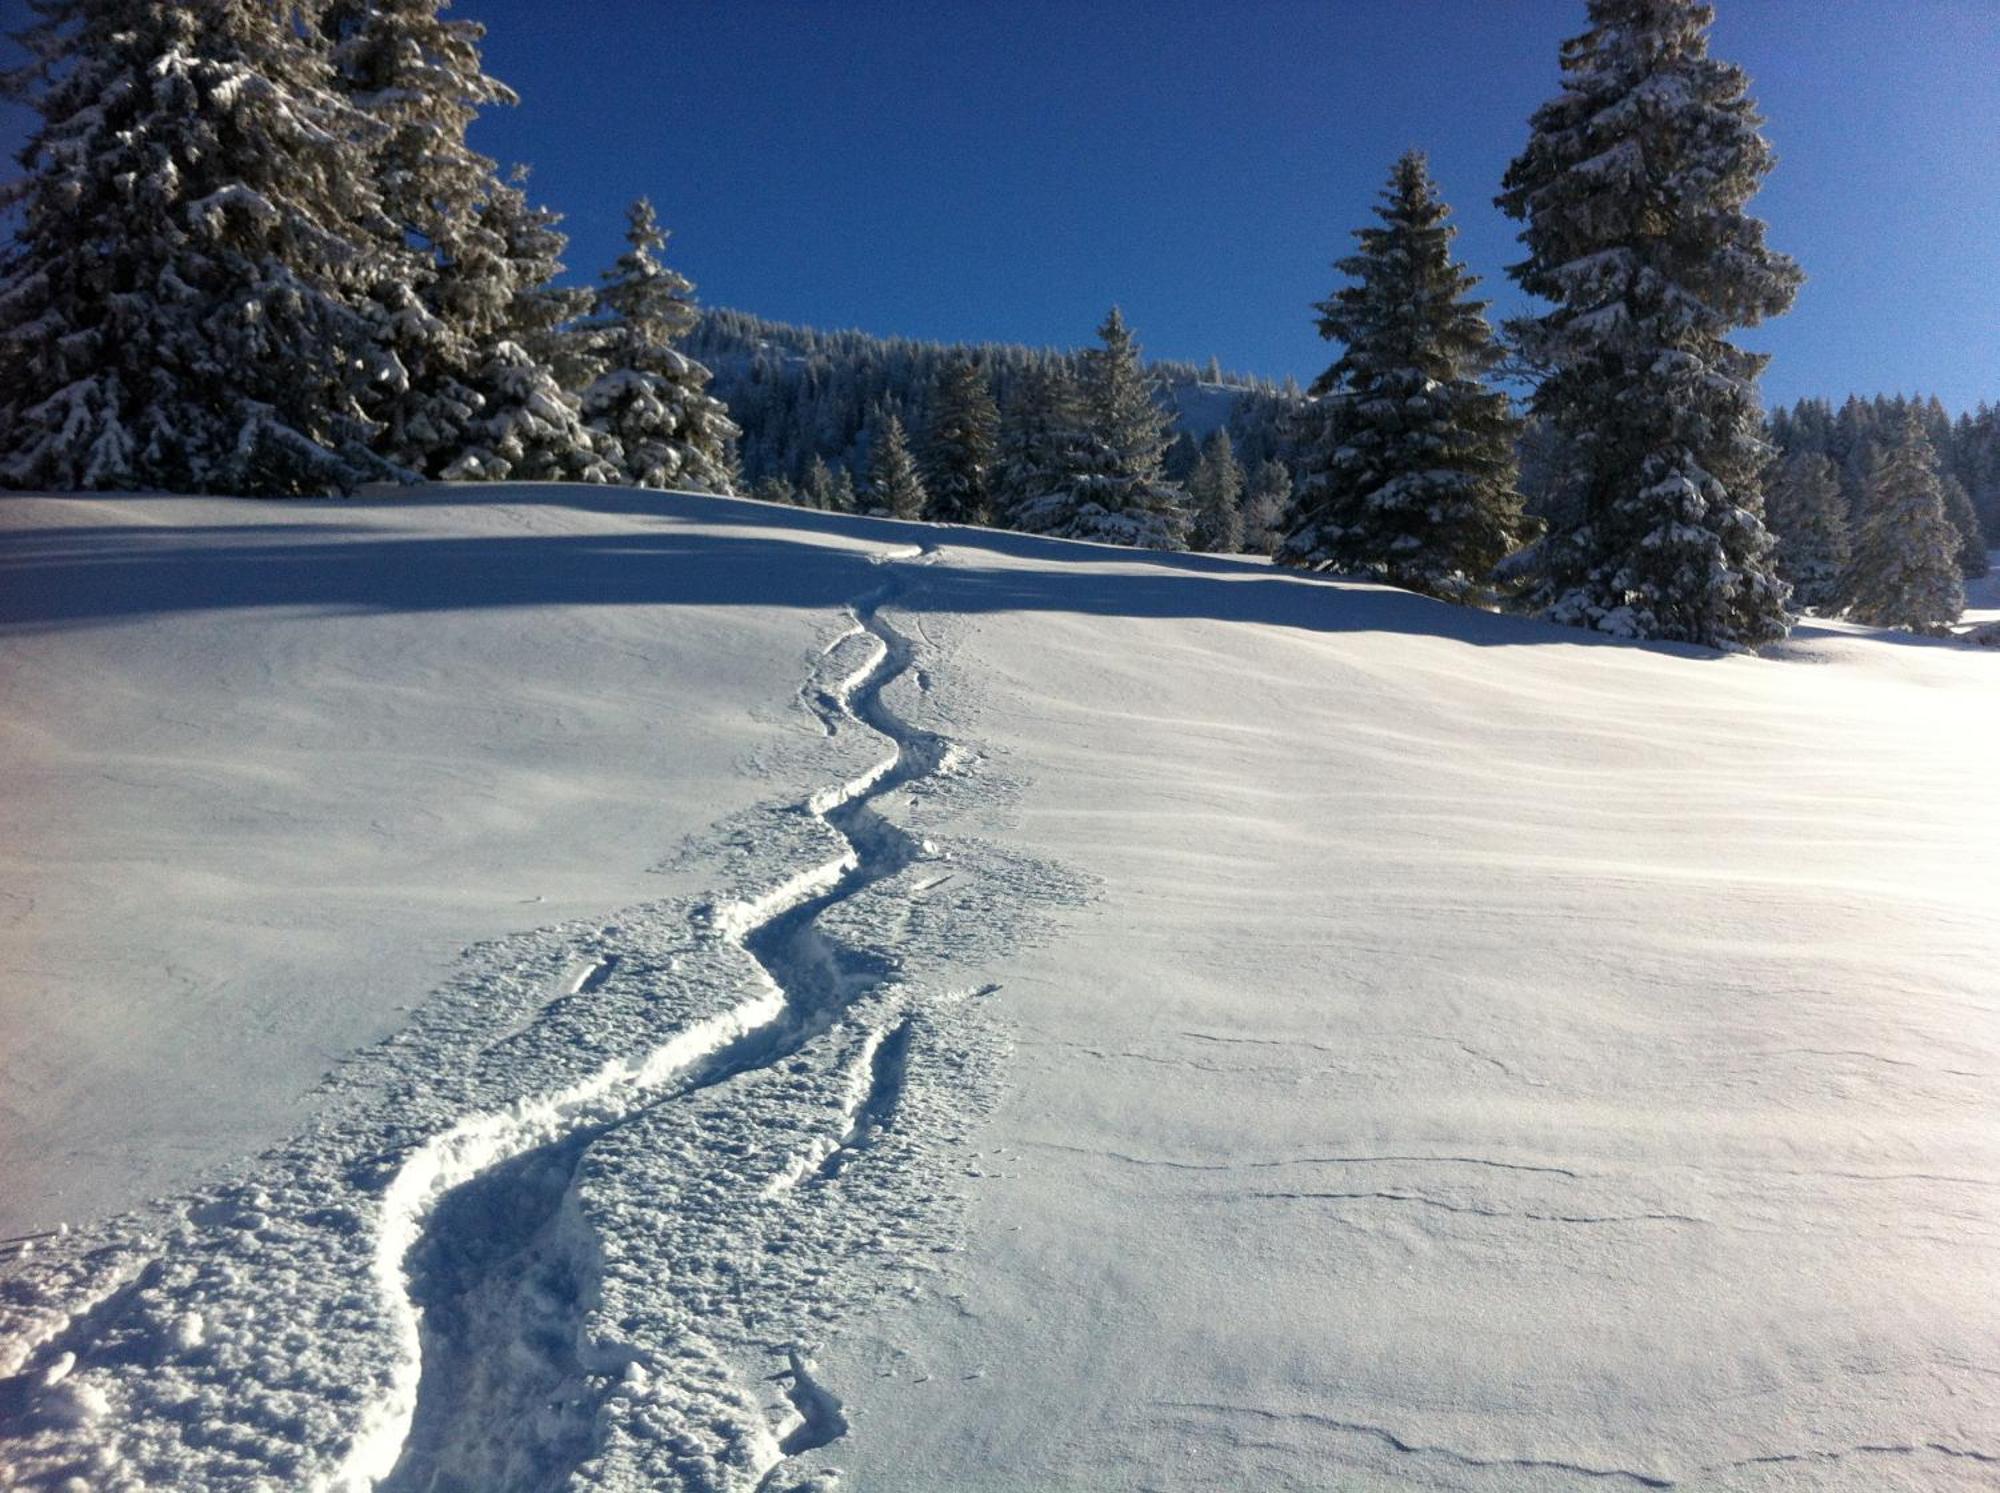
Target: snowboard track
[{"x": 498, "y": 1266}]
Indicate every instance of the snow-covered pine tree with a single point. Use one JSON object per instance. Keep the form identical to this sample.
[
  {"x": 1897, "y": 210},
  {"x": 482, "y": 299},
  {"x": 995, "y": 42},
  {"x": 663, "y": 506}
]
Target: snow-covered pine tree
[
  {"x": 959, "y": 445},
  {"x": 1411, "y": 475},
  {"x": 1632, "y": 188},
  {"x": 1265, "y": 506},
  {"x": 186, "y": 303},
  {"x": 1039, "y": 453},
  {"x": 841, "y": 496},
  {"x": 1121, "y": 495},
  {"x": 894, "y": 486},
  {"x": 1973, "y": 561},
  {"x": 419, "y": 77},
  {"x": 648, "y": 407},
  {"x": 816, "y": 488},
  {"x": 529, "y": 427},
  {"x": 1807, "y": 515},
  {"x": 1215, "y": 491},
  {"x": 1905, "y": 571},
  {"x": 549, "y": 321}
]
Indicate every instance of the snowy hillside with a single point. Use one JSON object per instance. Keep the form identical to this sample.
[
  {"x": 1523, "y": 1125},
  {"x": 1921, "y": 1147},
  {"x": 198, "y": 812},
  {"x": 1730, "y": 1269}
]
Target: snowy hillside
[{"x": 636, "y": 991}]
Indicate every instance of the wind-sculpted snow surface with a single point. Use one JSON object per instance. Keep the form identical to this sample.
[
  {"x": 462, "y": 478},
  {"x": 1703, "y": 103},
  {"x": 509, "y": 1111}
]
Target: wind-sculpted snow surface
[
  {"x": 586, "y": 1220},
  {"x": 1490, "y": 1057}
]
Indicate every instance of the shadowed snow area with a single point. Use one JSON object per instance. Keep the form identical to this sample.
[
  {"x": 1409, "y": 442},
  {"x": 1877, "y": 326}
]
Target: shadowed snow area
[{"x": 818, "y": 1000}]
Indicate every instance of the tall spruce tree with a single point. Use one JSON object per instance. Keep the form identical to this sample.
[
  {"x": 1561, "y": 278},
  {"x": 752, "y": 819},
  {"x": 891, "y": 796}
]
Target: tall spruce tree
[
  {"x": 419, "y": 77},
  {"x": 189, "y": 298},
  {"x": 1039, "y": 454},
  {"x": 959, "y": 446},
  {"x": 1121, "y": 495},
  {"x": 1411, "y": 474},
  {"x": 648, "y": 407},
  {"x": 1215, "y": 492},
  {"x": 1906, "y": 571},
  {"x": 894, "y": 486},
  {"x": 529, "y": 425},
  {"x": 1632, "y": 188},
  {"x": 1808, "y": 516}
]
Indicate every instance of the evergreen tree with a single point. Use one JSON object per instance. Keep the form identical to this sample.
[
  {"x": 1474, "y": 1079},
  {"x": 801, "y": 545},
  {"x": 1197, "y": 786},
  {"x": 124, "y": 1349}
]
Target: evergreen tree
[
  {"x": 1412, "y": 475},
  {"x": 959, "y": 447},
  {"x": 1039, "y": 453},
  {"x": 1215, "y": 490},
  {"x": 1972, "y": 557},
  {"x": 1906, "y": 570},
  {"x": 774, "y": 489},
  {"x": 1968, "y": 455},
  {"x": 529, "y": 427},
  {"x": 188, "y": 300},
  {"x": 816, "y": 490},
  {"x": 1121, "y": 496},
  {"x": 1808, "y": 517},
  {"x": 649, "y": 407},
  {"x": 419, "y": 77},
  {"x": 894, "y": 486},
  {"x": 841, "y": 496},
  {"x": 1632, "y": 188},
  {"x": 1265, "y": 506}
]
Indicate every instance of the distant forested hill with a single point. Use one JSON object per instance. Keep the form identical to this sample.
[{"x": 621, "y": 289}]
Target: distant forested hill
[{"x": 799, "y": 392}]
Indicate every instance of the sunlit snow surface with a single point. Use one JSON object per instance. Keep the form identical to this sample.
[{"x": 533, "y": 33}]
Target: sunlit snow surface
[{"x": 970, "y": 1011}]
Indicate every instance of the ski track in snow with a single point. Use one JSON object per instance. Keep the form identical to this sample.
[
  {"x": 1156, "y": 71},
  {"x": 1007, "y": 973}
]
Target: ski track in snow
[{"x": 560, "y": 1218}]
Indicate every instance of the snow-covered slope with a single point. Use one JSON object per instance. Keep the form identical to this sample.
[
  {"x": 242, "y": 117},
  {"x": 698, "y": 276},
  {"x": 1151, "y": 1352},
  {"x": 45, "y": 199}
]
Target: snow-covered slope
[{"x": 1002, "y": 1014}]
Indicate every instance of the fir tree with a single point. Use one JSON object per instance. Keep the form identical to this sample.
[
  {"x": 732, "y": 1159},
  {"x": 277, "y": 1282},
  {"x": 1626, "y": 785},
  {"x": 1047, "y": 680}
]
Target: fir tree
[
  {"x": 816, "y": 490},
  {"x": 649, "y": 407},
  {"x": 1972, "y": 557},
  {"x": 841, "y": 496},
  {"x": 419, "y": 77},
  {"x": 1265, "y": 506},
  {"x": 187, "y": 302},
  {"x": 529, "y": 427},
  {"x": 1808, "y": 517},
  {"x": 1632, "y": 188},
  {"x": 959, "y": 446},
  {"x": 1411, "y": 477},
  {"x": 1120, "y": 495},
  {"x": 1906, "y": 571},
  {"x": 894, "y": 487},
  {"x": 1215, "y": 491},
  {"x": 1039, "y": 453}
]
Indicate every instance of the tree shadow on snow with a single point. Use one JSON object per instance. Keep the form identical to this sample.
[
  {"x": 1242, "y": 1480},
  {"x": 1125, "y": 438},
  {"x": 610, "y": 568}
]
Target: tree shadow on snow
[{"x": 355, "y": 556}]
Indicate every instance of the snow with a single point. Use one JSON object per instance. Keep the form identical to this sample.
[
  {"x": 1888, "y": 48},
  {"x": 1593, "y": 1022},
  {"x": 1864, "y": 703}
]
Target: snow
[
  {"x": 1000, "y": 1013},
  {"x": 1201, "y": 408}
]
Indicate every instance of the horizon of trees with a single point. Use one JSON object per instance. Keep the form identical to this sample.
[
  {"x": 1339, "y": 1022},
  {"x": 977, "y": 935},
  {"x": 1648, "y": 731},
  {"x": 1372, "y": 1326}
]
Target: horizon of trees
[{"x": 256, "y": 255}]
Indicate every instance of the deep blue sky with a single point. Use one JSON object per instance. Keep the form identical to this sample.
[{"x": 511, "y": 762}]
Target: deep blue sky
[{"x": 966, "y": 169}]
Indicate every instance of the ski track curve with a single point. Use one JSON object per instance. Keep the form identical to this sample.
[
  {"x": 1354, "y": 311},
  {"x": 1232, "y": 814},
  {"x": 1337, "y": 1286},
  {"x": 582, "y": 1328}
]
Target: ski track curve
[
  {"x": 544, "y": 1237},
  {"x": 805, "y": 987}
]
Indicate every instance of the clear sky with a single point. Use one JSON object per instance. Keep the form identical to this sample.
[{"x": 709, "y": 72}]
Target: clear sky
[{"x": 1007, "y": 169}]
